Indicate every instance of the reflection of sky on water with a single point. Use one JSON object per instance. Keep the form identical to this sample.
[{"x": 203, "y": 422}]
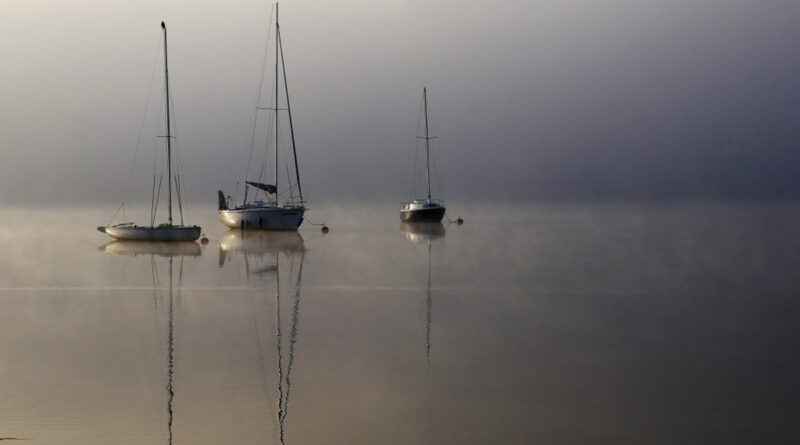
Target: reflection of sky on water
[{"x": 652, "y": 323}]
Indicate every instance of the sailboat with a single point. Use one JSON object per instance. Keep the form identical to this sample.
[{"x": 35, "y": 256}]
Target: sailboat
[
  {"x": 166, "y": 231},
  {"x": 428, "y": 209},
  {"x": 268, "y": 213}
]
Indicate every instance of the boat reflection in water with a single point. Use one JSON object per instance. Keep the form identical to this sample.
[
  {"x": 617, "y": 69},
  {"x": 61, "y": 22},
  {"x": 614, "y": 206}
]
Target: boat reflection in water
[
  {"x": 169, "y": 250},
  {"x": 259, "y": 248},
  {"x": 425, "y": 233},
  {"x": 154, "y": 248},
  {"x": 260, "y": 243},
  {"x": 277, "y": 257},
  {"x": 422, "y": 232}
]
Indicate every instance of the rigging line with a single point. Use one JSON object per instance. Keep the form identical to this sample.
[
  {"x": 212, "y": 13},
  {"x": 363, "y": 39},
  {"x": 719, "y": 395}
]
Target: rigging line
[
  {"x": 152, "y": 201},
  {"x": 289, "y": 180},
  {"x": 116, "y": 212},
  {"x": 257, "y": 102},
  {"x": 435, "y": 157},
  {"x": 289, "y": 111},
  {"x": 434, "y": 163},
  {"x": 141, "y": 131},
  {"x": 155, "y": 207},
  {"x": 260, "y": 175},
  {"x": 178, "y": 157},
  {"x": 282, "y": 192},
  {"x": 178, "y": 190},
  {"x": 267, "y": 144}
]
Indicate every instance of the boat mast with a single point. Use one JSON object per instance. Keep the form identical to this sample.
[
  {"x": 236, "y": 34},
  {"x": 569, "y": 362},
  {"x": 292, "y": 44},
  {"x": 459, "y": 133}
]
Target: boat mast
[
  {"x": 169, "y": 135},
  {"x": 277, "y": 31},
  {"x": 427, "y": 141}
]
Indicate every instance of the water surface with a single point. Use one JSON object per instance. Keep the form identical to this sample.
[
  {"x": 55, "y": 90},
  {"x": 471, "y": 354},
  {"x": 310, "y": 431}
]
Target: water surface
[{"x": 531, "y": 323}]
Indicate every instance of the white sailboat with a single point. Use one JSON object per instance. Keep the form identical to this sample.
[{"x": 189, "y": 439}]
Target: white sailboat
[
  {"x": 166, "y": 231},
  {"x": 428, "y": 209},
  {"x": 267, "y": 213}
]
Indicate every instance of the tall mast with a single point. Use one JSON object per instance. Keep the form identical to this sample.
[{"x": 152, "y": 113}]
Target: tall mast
[
  {"x": 169, "y": 135},
  {"x": 277, "y": 31},
  {"x": 427, "y": 141}
]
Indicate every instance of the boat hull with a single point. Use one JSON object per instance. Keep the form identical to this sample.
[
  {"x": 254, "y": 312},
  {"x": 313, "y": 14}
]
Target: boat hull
[
  {"x": 433, "y": 214},
  {"x": 263, "y": 218},
  {"x": 170, "y": 233}
]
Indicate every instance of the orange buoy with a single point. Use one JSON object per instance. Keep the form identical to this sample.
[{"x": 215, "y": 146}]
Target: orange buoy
[{"x": 204, "y": 240}]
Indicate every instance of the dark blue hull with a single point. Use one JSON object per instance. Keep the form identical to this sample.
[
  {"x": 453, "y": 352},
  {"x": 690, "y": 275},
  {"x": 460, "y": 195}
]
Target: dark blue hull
[{"x": 422, "y": 215}]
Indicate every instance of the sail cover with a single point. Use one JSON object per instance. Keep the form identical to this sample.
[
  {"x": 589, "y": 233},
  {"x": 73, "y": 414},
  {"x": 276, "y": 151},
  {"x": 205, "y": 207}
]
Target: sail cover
[{"x": 269, "y": 188}]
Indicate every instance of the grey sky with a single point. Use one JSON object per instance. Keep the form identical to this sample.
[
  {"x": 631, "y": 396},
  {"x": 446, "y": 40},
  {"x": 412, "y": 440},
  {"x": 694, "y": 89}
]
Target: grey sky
[{"x": 530, "y": 99}]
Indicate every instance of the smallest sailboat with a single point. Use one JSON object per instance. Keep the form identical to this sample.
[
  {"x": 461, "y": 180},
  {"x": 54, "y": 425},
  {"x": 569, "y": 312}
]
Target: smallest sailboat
[
  {"x": 166, "y": 231},
  {"x": 428, "y": 209}
]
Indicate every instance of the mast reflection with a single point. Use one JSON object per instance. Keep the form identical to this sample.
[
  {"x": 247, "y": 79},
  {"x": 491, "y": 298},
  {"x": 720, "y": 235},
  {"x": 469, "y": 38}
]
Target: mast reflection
[
  {"x": 170, "y": 251},
  {"x": 425, "y": 233},
  {"x": 271, "y": 255}
]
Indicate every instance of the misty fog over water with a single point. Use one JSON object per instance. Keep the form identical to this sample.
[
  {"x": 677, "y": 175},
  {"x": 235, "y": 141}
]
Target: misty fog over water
[
  {"x": 659, "y": 323},
  {"x": 626, "y": 271}
]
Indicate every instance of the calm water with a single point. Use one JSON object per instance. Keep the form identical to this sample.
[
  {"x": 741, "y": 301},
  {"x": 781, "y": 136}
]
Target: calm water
[{"x": 607, "y": 323}]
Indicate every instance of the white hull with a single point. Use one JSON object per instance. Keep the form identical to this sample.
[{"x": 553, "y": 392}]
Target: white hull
[
  {"x": 263, "y": 218},
  {"x": 164, "y": 233}
]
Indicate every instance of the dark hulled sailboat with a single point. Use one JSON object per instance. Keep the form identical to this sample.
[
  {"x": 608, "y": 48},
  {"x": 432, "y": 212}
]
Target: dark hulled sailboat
[{"x": 428, "y": 209}]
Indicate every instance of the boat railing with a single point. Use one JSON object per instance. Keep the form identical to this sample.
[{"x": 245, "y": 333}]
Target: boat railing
[
  {"x": 295, "y": 202},
  {"x": 407, "y": 204}
]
